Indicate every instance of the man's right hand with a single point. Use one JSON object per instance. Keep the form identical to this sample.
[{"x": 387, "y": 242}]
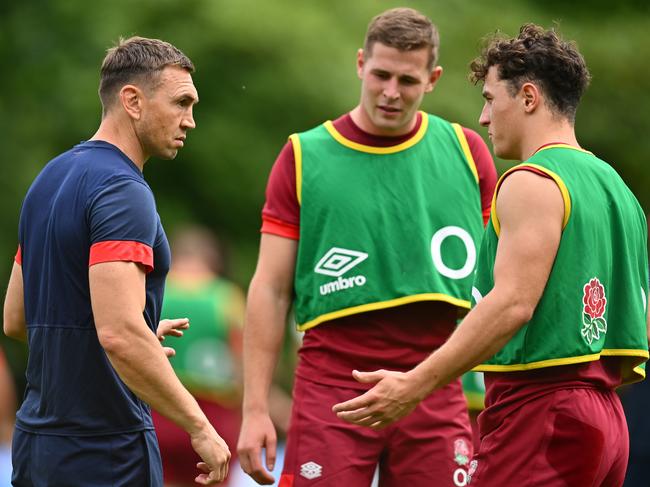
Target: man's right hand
[
  {"x": 257, "y": 432},
  {"x": 215, "y": 455}
]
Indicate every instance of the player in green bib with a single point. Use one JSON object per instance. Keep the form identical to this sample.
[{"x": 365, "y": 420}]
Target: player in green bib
[
  {"x": 371, "y": 230},
  {"x": 560, "y": 294}
]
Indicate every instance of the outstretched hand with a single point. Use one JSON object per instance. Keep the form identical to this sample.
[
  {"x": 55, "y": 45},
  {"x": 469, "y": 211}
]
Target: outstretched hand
[
  {"x": 394, "y": 396},
  {"x": 171, "y": 328}
]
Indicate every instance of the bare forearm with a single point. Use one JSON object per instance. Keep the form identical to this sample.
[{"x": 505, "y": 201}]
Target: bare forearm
[
  {"x": 263, "y": 335},
  {"x": 140, "y": 362},
  {"x": 485, "y": 331}
]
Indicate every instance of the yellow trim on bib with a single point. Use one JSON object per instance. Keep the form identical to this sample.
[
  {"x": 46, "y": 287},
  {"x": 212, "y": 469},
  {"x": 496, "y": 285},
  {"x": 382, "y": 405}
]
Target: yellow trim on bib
[
  {"x": 624, "y": 352},
  {"x": 558, "y": 180},
  {"x": 639, "y": 371},
  {"x": 563, "y": 146},
  {"x": 417, "y": 137},
  {"x": 536, "y": 365},
  {"x": 565, "y": 361},
  {"x": 297, "y": 157},
  {"x": 465, "y": 146},
  {"x": 461, "y": 303}
]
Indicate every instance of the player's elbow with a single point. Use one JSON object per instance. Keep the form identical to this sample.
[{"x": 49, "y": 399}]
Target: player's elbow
[
  {"x": 512, "y": 310},
  {"x": 113, "y": 343},
  {"x": 520, "y": 312},
  {"x": 12, "y": 330},
  {"x": 13, "y": 324}
]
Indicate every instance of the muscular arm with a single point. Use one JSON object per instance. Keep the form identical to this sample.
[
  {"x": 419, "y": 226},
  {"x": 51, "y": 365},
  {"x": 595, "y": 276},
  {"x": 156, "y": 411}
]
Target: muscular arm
[
  {"x": 117, "y": 292},
  {"x": 530, "y": 210},
  {"x": 269, "y": 299},
  {"x": 14, "y": 307}
]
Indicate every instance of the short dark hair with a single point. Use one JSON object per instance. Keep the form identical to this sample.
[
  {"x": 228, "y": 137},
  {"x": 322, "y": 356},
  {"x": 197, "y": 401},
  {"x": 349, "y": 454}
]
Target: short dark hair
[
  {"x": 137, "y": 59},
  {"x": 537, "y": 55},
  {"x": 404, "y": 29}
]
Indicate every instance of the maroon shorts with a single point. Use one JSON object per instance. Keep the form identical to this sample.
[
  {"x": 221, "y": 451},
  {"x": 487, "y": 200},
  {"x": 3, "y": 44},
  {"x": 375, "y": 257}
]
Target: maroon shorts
[
  {"x": 430, "y": 447},
  {"x": 566, "y": 438},
  {"x": 178, "y": 458}
]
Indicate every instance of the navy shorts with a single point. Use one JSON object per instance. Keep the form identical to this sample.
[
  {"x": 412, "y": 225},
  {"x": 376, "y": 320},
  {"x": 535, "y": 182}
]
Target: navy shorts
[{"x": 121, "y": 460}]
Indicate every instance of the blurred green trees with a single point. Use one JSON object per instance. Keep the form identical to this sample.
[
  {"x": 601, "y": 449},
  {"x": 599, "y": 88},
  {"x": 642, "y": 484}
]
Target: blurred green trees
[{"x": 266, "y": 69}]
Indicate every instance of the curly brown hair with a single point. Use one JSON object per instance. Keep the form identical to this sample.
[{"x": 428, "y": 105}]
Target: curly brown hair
[
  {"x": 404, "y": 29},
  {"x": 541, "y": 56},
  {"x": 137, "y": 59}
]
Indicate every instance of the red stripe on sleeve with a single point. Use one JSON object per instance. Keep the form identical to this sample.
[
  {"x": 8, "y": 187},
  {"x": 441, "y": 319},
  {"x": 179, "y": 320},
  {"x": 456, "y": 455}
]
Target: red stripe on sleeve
[
  {"x": 121, "y": 250},
  {"x": 19, "y": 256},
  {"x": 278, "y": 227}
]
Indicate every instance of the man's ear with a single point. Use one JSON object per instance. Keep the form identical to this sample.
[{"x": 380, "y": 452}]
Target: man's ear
[
  {"x": 360, "y": 63},
  {"x": 435, "y": 75},
  {"x": 131, "y": 99},
  {"x": 531, "y": 96}
]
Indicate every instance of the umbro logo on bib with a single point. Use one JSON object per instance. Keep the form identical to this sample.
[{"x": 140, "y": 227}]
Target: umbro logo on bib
[{"x": 336, "y": 262}]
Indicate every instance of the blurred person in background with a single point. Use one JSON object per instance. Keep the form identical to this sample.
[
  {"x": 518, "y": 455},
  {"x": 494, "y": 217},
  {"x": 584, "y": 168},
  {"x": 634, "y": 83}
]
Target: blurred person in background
[
  {"x": 208, "y": 355},
  {"x": 370, "y": 228},
  {"x": 7, "y": 418},
  {"x": 86, "y": 288}
]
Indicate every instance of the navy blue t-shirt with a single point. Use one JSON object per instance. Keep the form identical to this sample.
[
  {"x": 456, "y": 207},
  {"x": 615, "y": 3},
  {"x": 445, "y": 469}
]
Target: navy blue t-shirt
[{"x": 88, "y": 205}]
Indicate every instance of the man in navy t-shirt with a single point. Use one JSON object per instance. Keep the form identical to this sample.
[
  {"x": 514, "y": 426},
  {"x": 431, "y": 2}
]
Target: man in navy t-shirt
[{"x": 86, "y": 290}]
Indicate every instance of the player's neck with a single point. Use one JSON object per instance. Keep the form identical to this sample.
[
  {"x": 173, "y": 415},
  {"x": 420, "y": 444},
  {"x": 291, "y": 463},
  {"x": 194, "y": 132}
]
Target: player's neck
[
  {"x": 546, "y": 133},
  {"x": 122, "y": 136}
]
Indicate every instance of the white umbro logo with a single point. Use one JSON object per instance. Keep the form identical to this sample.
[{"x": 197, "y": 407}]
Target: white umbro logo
[
  {"x": 311, "y": 470},
  {"x": 338, "y": 261}
]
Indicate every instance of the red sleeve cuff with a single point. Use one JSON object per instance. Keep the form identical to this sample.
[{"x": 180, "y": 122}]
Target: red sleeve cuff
[
  {"x": 121, "y": 250},
  {"x": 278, "y": 227},
  {"x": 19, "y": 256}
]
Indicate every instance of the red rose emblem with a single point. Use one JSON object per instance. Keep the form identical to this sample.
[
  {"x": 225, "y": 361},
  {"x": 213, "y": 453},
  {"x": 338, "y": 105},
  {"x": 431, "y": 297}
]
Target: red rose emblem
[
  {"x": 461, "y": 448},
  {"x": 594, "y": 299}
]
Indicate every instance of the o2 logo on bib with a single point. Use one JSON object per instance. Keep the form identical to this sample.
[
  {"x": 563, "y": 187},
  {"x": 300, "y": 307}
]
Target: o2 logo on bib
[{"x": 460, "y": 236}]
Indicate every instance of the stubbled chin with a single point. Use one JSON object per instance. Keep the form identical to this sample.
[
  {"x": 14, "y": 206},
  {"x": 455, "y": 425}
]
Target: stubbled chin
[
  {"x": 169, "y": 155},
  {"x": 383, "y": 120}
]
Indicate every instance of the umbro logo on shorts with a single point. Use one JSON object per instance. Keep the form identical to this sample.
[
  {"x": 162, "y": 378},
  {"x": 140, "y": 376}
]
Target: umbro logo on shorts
[
  {"x": 311, "y": 470},
  {"x": 338, "y": 261}
]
